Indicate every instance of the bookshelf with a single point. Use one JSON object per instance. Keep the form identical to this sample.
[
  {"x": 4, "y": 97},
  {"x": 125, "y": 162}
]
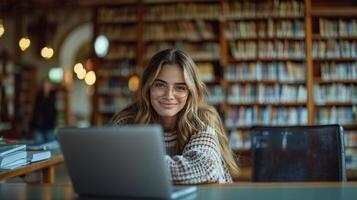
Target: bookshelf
[
  {"x": 26, "y": 81},
  {"x": 17, "y": 83},
  {"x": 62, "y": 107},
  {"x": 188, "y": 25},
  {"x": 18, "y": 88},
  {"x": 264, "y": 62},
  {"x": 193, "y": 26},
  {"x": 265, "y": 72},
  {"x": 334, "y": 54},
  {"x": 120, "y": 24},
  {"x": 7, "y": 92}
]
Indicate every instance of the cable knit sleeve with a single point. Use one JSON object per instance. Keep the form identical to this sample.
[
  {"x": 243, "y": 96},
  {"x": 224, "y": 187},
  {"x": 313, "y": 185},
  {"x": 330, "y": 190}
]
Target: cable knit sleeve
[{"x": 200, "y": 162}]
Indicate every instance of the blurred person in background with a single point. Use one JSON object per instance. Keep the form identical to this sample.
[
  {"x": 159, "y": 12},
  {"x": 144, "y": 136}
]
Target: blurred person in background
[{"x": 44, "y": 113}]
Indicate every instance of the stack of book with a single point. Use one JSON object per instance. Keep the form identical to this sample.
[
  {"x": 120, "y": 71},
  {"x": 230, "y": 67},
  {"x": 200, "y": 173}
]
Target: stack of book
[
  {"x": 12, "y": 156},
  {"x": 16, "y": 155},
  {"x": 40, "y": 152}
]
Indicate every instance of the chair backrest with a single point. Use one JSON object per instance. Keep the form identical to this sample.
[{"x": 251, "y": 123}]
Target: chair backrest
[{"x": 298, "y": 153}]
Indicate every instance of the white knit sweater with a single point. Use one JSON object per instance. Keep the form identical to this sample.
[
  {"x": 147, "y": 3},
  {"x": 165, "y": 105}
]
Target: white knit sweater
[{"x": 200, "y": 161}]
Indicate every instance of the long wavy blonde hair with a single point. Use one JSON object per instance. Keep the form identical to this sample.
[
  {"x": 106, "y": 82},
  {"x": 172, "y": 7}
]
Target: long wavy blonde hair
[{"x": 196, "y": 114}]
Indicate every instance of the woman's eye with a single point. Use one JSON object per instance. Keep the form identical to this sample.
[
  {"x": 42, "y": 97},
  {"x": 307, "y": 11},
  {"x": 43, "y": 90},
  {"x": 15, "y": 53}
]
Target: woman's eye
[
  {"x": 159, "y": 85},
  {"x": 181, "y": 88}
]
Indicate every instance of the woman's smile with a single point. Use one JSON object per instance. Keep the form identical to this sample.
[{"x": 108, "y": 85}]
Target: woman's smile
[{"x": 167, "y": 105}]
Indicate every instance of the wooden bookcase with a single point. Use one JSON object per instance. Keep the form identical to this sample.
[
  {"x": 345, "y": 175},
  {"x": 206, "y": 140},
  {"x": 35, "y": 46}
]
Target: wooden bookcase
[
  {"x": 334, "y": 57},
  {"x": 62, "y": 107},
  {"x": 112, "y": 91},
  {"x": 25, "y": 89},
  {"x": 258, "y": 59},
  {"x": 7, "y": 92},
  {"x": 18, "y": 88},
  {"x": 17, "y": 98}
]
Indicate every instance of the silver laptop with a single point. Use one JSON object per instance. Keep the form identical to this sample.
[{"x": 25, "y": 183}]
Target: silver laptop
[{"x": 123, "y": 161}]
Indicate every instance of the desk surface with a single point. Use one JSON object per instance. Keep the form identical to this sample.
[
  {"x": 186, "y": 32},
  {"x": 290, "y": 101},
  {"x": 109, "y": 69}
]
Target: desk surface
[
  {"x": 246, "y": 191},
  {"x": 31, "y": 167},
  {"x": 47, "y": 167}
]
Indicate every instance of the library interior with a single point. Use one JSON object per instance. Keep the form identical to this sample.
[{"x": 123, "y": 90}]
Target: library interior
[{"x": 281, "y": 74}]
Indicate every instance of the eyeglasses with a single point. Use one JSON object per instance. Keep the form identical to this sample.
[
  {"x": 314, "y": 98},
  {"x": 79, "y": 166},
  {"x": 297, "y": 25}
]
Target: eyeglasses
[{"x": 161, "y": 88}]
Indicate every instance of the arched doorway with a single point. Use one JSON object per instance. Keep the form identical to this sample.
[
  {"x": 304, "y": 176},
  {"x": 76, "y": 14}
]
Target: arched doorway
[{"x": 79, "y": 94}]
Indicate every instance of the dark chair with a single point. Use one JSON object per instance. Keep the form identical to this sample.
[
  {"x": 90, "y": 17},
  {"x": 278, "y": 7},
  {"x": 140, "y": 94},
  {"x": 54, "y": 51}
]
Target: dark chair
[{"x": 298, "y": 153}]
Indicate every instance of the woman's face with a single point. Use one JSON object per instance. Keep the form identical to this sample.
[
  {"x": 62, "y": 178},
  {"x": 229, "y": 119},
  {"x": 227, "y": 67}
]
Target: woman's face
[{"x": 169, "y": 92}]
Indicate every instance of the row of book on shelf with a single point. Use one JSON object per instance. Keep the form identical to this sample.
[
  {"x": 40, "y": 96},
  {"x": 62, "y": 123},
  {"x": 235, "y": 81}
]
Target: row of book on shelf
[
  {"x": 113, "y": 86},
  {"x": 203, "y": 29},
  {"x": 334, "y": 49},
  {"x": 244, "y": 9},
  {"x": 206, "y": 51},
  {"x": 215, "y": 94},
  {"x": 335, "y": 92},
  {"x": 278, "y": 71},
  {"x": 16, "y": 155},
  {"x": 243, "y": 116},
  {"x": 119, "y": 32},
  {"x": 182, "y": 11},
  {"x": 335, "y": 28},
  {"x": 265, "y": 29},
  {"x": 336, "y": 115},
  {"x": 183, "y": 30},
  {"x": 350, "y": 138},
  {"x": 240, "y": 139},
  {"x": 116, "y": 69},
  {"x": 339, "y": 71},
  {"x": 188, "y": 10},
  {"x": 199, "y": 29},
  {"x": 118, "y": 14},
  {"x": 121, "y": 52},
  {"x": 261, "y": 93},
  {"x": 282, "y": 49},
  {"x": 112, "y": 105},
  {"x": 234, "y": 9}
]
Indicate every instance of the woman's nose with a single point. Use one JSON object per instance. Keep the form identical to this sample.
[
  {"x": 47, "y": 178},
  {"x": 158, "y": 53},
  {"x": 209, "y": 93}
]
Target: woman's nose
[{"x": 169, "y": 92}]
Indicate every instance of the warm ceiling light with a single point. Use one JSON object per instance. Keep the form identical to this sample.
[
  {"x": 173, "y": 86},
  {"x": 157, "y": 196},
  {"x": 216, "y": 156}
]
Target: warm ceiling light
[
  {"x": 81, "y": 74},
  {"x": 2, "y": 29},
  {"x": 24, "y": 43},
  {"x": 90, "y": 78},
  {"x": 47, "y": 52},
  {"x": 134, "y": 83},
  {"x": 78, "y": 67},
  {"x": 44, "y": 52}
]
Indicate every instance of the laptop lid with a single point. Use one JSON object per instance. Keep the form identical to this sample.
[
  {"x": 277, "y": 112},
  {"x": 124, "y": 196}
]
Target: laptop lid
[{"x": 123, "y": 161}]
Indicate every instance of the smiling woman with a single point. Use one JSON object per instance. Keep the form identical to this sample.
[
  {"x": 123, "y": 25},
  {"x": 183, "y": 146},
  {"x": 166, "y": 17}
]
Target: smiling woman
[
  {"x": 168, "y": 94},
  {"x": 172, "y": 95}
]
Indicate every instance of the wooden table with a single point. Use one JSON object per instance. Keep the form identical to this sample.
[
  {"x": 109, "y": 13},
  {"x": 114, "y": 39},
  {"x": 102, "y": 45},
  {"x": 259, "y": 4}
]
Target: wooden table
[
  {"x": 46, "y": 166},
  {"x": 246, "y": 191}
]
